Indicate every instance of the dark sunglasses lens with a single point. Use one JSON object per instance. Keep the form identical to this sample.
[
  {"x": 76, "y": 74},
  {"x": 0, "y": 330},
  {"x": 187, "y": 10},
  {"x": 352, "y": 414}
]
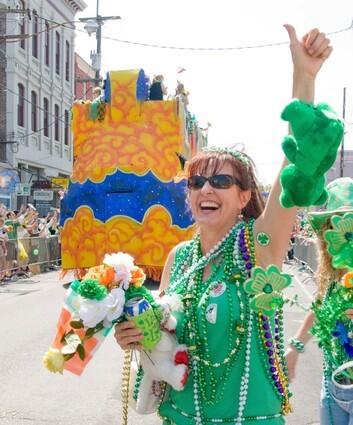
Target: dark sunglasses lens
[
  {"x": 221, "y": 181},
  {"x": 196, "y": 182}
]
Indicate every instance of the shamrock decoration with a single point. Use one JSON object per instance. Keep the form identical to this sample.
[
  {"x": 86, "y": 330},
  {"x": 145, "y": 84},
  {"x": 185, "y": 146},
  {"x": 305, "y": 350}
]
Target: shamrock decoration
[
  {"x": 266, "y": 287},
  {"x": 263, "y": 239},
  {"x": 340, "y": 241}
]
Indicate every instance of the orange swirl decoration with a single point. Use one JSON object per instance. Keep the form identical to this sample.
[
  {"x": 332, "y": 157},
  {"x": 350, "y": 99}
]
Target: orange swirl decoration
[
  {"x": 82, "y": 240},
  {"x": 85, "y": 240},
  {"x": 133, "y": 137},
  {"x": 148, "y": 242}
]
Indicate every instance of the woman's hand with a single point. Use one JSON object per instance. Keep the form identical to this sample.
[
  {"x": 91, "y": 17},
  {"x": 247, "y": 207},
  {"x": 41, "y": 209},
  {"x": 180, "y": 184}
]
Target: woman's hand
[
  {"x": 128, "y": 336},
  {"x": 309, "y": 53},
  {"x": 291, "y": 355}
]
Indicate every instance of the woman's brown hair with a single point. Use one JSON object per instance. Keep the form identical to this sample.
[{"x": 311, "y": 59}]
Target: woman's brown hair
[
  {"x": 325, "y": 273},
  {"x": 212, "y": 161}
]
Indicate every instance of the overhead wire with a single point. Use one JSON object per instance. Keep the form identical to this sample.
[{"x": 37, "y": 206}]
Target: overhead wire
[
  {"x": 161, "y": 46},
  {"x": 38, "y": 106},
  {"x": 246, "y": 47},
  {"x": 150, "y": 45}
]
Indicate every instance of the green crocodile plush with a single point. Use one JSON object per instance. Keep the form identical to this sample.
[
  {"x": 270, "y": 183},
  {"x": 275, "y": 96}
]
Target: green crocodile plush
[{"x": 311, "y": 150}]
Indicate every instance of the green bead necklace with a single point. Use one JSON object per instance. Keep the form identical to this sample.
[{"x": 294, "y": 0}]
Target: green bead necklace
[{"x": 211, "y": 389}]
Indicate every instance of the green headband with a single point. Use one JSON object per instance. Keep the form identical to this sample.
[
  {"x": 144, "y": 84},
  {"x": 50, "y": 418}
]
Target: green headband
[{"x": 235, "y": 153}]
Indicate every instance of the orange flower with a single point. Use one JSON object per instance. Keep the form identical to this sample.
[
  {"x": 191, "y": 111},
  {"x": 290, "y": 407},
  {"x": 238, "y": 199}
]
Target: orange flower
[
  {"x": 94, "y": 273},
  {"x": 107, "y": 276},
  {"x": 348, "y": 280},
  {"x": 137, "y": 276}
]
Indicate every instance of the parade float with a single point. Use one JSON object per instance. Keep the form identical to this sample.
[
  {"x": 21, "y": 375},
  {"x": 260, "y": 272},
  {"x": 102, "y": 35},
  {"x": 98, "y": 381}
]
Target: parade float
[{"x": 122, "y": 195}]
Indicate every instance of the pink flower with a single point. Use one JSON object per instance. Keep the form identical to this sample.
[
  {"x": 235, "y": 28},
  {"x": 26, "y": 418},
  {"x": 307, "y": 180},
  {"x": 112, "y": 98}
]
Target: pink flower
[{"x": 122, "y": 264}]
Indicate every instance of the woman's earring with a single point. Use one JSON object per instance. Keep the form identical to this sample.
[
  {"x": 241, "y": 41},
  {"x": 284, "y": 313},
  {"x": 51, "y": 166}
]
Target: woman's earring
[{"x": 240, "y": 216}]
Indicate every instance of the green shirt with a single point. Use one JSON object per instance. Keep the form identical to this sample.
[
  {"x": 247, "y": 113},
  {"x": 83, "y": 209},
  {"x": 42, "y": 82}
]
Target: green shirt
[
  {"x": 222, "y": 313},
  {"x": 13, "y": 234}
]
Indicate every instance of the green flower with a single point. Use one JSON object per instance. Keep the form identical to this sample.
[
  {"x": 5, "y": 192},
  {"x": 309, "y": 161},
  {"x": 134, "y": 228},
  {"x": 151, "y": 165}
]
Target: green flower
[
  {"x": 266, "y": 287},
  {"x": 75, "y": 285},
  {"x": 340, "y": 241},
  {"x": 92, "y": 289}
]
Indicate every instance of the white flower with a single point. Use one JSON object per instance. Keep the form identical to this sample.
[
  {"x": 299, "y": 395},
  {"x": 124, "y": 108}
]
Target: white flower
[
  {"x": 122, "y": 263},
  {"x": 123, "y": 276},
  {"x": 92, "y": 312},
  {"x": 115, "y": 301}
]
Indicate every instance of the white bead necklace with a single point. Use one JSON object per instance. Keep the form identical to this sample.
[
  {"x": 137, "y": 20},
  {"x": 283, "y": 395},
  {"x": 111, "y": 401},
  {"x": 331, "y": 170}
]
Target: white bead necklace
[
  {"x": 244, "y": 382},
  {"x": 197, "y": 264}
]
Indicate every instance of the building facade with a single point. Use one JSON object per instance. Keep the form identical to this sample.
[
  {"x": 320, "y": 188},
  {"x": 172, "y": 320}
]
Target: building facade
[
  {"x": 2, "y": 88},
  {"x": 84, "y": 79},
  {"x": 40, "y": 84}
]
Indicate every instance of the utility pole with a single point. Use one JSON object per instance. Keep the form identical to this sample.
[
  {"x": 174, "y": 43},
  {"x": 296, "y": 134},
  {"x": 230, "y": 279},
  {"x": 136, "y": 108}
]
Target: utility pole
[
  {"x": 342, "y": 144},
  {"x": 94, "y": 24}
]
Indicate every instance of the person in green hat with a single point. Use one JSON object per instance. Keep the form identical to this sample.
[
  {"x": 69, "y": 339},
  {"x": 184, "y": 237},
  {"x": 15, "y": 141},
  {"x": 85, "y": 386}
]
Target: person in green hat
[{"x": 331, "y": 315}]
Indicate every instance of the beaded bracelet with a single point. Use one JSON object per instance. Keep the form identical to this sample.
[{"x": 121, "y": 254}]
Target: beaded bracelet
[{"x": 298, "y": 345}]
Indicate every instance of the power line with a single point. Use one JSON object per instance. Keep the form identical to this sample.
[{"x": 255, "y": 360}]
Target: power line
[
  {"x": 52, "y": 115},
  {"x": 29, "y": 101},
  {"x": 160, "y": 46},
  {"x": 246, "y": 47},
  {"x": 255, "y": 46}
]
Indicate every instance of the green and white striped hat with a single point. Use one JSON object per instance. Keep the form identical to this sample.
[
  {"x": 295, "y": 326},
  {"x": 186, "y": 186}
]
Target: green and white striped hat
[{"x": 340, "y": 201}]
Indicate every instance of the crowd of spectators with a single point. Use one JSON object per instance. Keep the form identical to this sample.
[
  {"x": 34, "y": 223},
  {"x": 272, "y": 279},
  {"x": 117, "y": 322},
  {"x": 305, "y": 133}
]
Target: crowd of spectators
[{"x": 26, "y": 241}]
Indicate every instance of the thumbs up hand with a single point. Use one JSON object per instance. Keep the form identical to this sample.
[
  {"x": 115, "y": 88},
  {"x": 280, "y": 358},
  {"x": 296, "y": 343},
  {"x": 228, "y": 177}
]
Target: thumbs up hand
[{"x": 309, "y": 53}]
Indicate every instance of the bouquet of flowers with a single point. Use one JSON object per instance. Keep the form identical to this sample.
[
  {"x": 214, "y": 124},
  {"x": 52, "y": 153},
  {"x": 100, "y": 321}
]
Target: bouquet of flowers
[{"x": 92, "y": 306}]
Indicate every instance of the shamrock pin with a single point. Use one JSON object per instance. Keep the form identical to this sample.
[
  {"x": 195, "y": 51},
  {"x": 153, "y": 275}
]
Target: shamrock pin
[
  {"x": 266, "y": 287},
  {"x": 340, "y": 241}
]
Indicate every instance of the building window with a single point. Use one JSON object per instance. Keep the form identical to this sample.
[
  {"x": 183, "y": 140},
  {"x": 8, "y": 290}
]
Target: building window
[
  {"x": 47, "y": 44},
  {"x": 21, "y": 105},
  {"x": 57, "y": 120},
  {"x": 67, "y": 62},
  {"x": 57, "y": 53},
  {"x": 22, "y": 26},
  {"x": 67, "y": 128},
  {"x": 46, "y": 117},
  {"x": 34, "y": 111},
  {"x": 35, "y": 35}
]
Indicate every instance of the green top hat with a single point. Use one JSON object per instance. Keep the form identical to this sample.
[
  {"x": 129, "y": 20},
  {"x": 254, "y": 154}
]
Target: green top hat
[{"x": 340, "y": 201}]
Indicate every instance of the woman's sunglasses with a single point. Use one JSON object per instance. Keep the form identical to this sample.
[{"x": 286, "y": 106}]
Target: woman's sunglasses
[{"x": 218, "y": 181}]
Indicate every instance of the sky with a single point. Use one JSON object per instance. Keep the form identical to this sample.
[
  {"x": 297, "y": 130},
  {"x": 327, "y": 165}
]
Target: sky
[{"x": 240, "y": 92}]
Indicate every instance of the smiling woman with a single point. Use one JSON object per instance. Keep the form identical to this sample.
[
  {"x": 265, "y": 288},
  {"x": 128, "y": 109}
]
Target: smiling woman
[{"x": 230, "y": 281}]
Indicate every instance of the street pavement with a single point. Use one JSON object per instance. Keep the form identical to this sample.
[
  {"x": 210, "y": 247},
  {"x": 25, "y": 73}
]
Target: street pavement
[{"x": 29, "y": 394}]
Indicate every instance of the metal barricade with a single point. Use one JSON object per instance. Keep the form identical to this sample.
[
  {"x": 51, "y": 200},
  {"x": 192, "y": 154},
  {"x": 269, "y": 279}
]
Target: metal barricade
[
  {"x": 305, "y": 251},
  {"x": 37, "y": 254}
]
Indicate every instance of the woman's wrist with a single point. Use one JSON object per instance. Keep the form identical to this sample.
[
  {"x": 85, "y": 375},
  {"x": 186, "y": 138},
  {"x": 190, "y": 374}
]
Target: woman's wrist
[
  {"x": 303, "y": 86},
  {"x": 297, "y": 344}
]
